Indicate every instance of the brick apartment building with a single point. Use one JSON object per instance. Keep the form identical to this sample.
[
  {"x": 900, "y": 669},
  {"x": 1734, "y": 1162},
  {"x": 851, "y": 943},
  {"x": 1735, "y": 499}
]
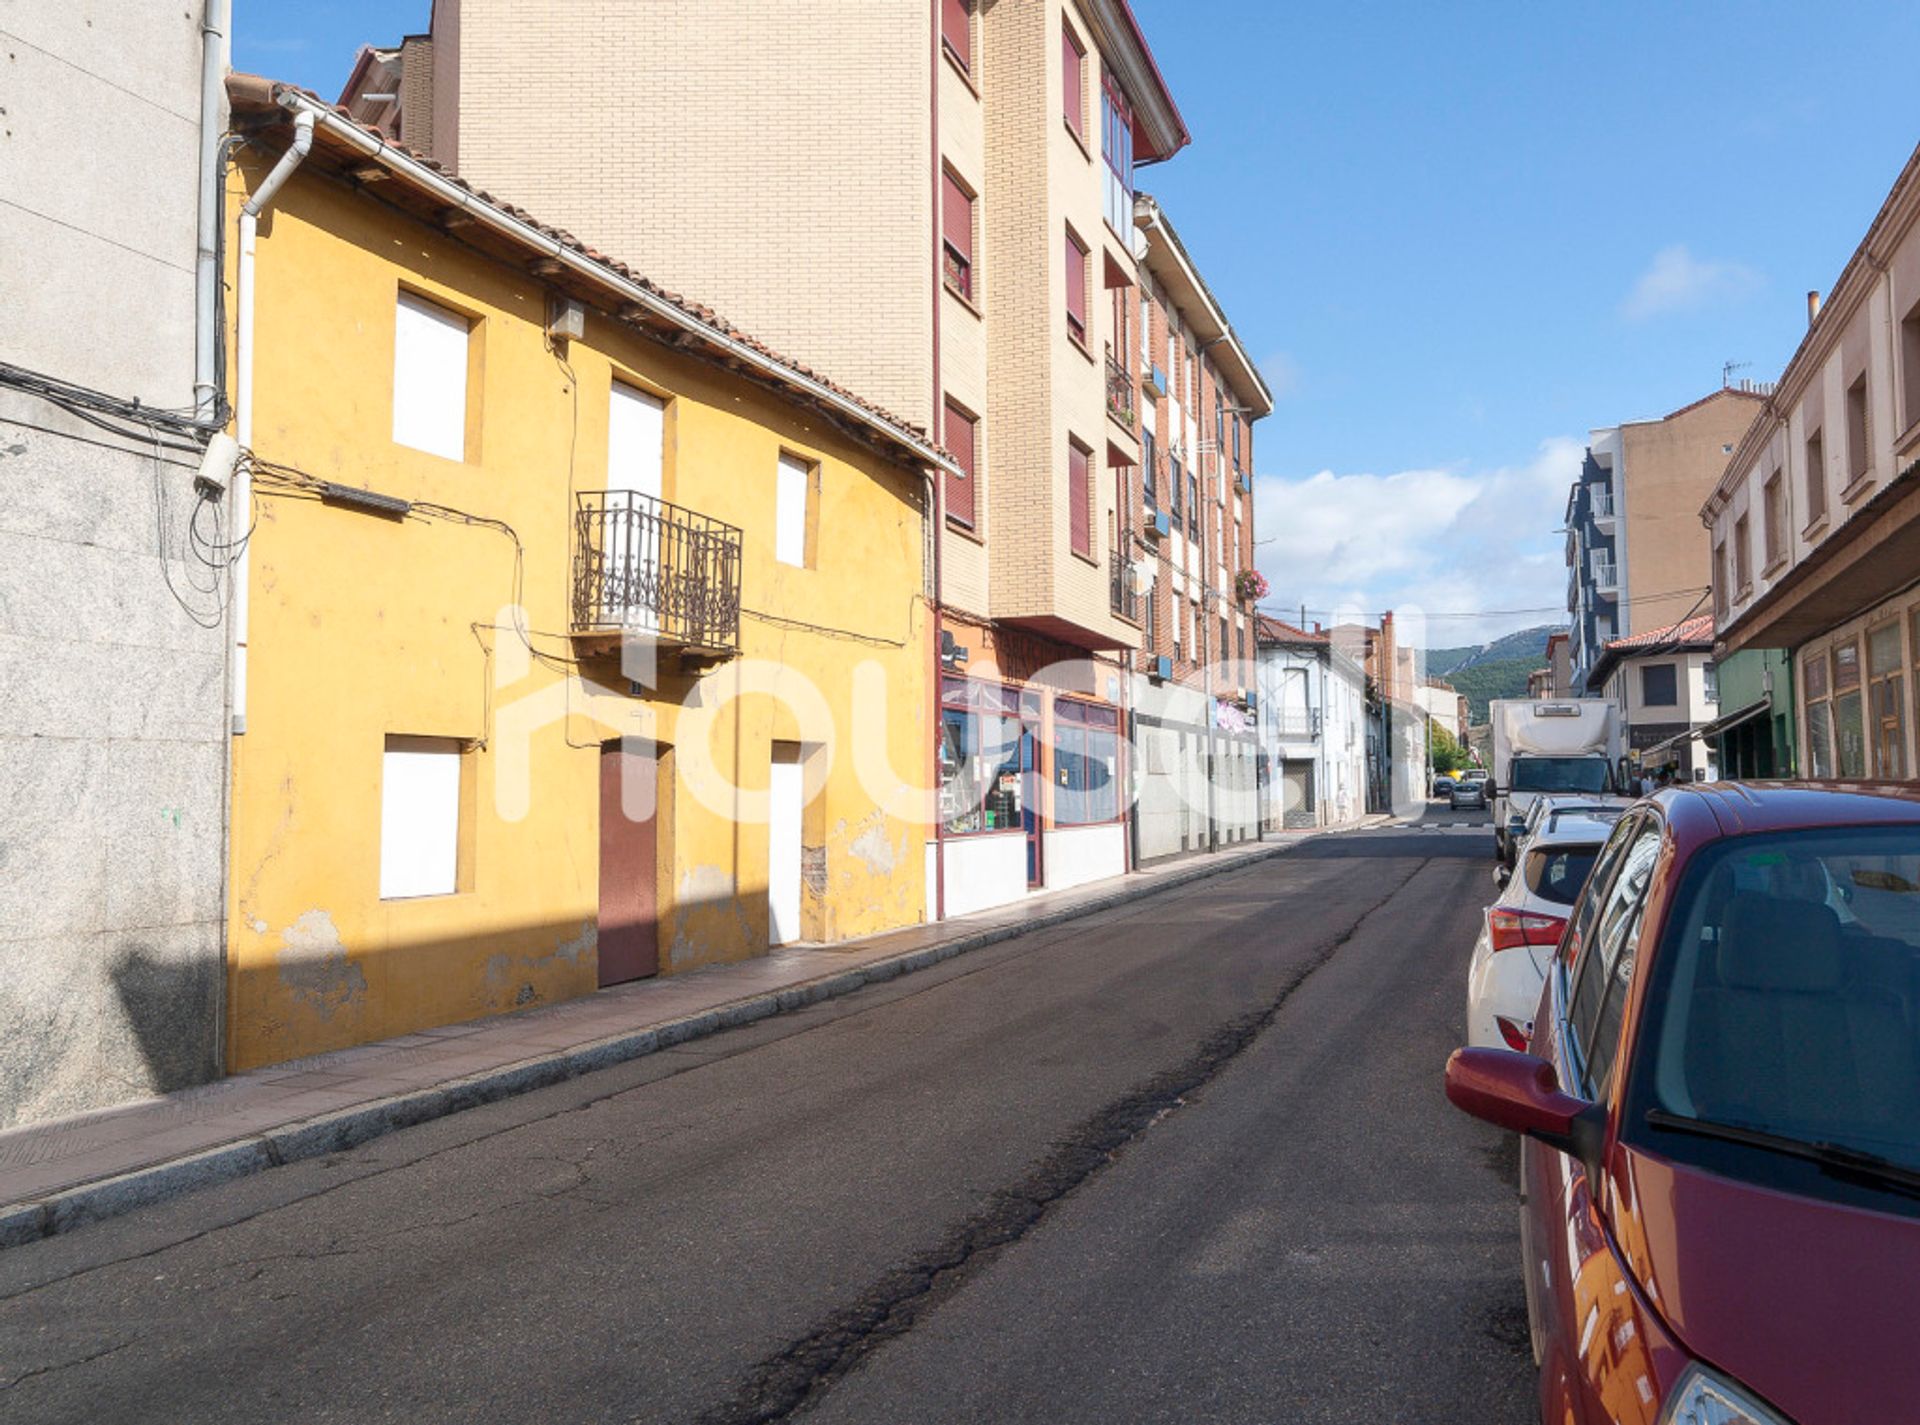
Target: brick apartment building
[
  {"x": 1185, "y": 538},
  {"x": 934, "y": 205}
]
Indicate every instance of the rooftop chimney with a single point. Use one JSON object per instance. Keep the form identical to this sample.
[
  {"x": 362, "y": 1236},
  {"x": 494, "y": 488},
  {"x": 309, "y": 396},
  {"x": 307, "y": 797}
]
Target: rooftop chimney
[{"x": 1813, "y": 307}]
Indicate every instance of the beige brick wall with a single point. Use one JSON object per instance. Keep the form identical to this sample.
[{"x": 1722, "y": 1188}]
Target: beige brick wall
[
  {"x": 768, "y": 158},
  {"x": 1671, "y": 467},
  {"x": 963, "y": 331},
  {"x": 1047, "y": 391}
]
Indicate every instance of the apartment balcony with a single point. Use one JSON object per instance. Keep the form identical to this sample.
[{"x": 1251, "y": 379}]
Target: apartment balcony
[
  {"x": 1606, "y": 576},
  {"x": 1294, "y": 724},
  {"x": 1604, "y": 514},
  {"x": 643, "y": 568},
  {"x": 1120, "y": 399}
]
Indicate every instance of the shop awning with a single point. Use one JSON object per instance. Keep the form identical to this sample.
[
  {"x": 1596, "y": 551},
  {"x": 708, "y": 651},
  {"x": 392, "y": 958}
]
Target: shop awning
[{"x": 1734, "y": 719}]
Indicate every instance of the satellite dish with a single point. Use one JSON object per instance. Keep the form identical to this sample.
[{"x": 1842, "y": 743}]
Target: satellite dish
[{"x": 1140, "y": 574}]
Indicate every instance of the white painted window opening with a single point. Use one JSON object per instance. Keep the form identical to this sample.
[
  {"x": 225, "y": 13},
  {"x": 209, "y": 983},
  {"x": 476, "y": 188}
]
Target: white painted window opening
[
  {"x": 430, "y": 377},
  {"x": 419, "y": 817},
  {"x": 790, "y": 511}
]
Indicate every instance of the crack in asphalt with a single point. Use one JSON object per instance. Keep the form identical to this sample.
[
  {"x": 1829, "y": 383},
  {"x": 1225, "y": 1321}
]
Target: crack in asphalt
[
  {"x": 795, "y": 1378},
  {"x": 59, "y": 1366}
]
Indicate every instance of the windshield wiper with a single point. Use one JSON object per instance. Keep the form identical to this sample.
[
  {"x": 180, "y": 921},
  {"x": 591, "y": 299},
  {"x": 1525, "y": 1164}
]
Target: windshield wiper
[{"x": 1836, "y": 1157}]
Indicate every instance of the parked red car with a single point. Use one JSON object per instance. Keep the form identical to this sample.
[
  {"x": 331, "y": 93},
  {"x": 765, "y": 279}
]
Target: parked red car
[{"x": 1721, "y": 1168}]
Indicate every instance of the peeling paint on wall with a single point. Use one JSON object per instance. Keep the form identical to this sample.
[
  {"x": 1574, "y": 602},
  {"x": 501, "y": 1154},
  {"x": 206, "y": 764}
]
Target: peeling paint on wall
[
  {"x": 873, "y": 848},
  {"x": 314, "y": 967}
]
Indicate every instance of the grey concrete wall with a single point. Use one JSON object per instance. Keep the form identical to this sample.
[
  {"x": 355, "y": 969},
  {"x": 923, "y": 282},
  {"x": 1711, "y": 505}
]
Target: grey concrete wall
[
  {"x": 112, "y": 684},
  {"x": 99, "y": 157}
]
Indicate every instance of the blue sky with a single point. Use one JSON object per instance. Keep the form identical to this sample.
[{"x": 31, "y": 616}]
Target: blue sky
[{"x": 1458, "y": 236}]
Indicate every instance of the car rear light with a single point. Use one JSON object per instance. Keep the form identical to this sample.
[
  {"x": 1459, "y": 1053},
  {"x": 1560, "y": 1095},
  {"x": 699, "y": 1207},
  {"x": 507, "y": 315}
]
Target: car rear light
[
  {"x": 1508, "y": 928},
  {"x": 1514, "y": 1034}
]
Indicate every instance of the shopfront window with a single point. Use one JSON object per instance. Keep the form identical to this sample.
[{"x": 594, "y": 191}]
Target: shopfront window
[
  {"x": 1816, "y": 686},
  {"x": 1086, "y": 763},
  {"x": 979, "y": 757},
  {"x": 1886, "y": 698},
  {"x": 1849, "y": 721}
]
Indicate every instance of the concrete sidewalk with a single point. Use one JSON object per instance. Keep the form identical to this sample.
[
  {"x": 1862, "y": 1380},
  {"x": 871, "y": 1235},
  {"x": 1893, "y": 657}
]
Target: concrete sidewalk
[{"x": 59, "y": 1174}]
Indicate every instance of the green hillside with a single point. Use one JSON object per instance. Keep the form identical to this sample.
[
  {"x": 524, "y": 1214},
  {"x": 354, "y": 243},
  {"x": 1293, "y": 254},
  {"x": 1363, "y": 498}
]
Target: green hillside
[{"x": 1483, "y": 681}]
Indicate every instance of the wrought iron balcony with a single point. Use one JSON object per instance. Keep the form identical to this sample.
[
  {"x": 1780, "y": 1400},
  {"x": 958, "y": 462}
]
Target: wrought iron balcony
[
  {"x": 643, "y": 567},
  {"x": 1119, "y": 391}
]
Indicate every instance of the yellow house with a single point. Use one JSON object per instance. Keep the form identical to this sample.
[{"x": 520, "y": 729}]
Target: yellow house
[{"x": 579, "y": 636}]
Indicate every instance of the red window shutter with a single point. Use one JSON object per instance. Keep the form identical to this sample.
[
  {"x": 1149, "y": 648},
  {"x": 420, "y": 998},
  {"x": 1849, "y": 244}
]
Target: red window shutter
[
  {"x": 956, "y": 30},
  {"x": 1076, "y": 288},
  {"x": 959, "y": 440},
  {"x": 1073, "y": 84},
  {"x": 957, "y": 217},
  {"x": 1079, "y": 502}
]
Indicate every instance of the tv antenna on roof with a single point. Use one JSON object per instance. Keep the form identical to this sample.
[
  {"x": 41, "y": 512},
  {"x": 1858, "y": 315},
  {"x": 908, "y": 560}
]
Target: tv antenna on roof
[{"x": 1727, "y": 368}]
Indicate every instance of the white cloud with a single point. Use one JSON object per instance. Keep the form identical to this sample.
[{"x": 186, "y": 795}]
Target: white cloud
[
  {"x": 1677, "y": 281},
  {"x": 1439, "y": 541}
]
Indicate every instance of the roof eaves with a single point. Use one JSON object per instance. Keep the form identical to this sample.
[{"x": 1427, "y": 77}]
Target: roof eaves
[{"x": 255, "y": 93}]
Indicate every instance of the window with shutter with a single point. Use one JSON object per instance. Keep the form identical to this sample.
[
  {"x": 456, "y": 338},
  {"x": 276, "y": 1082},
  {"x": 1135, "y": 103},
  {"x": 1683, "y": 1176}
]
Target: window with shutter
[
  {"x": 1076, "y": 289},
  {"x": 956, "y": 31},
  {"x": 1073, "y": 81},
  {"x": 1079, "y": 500},
  {"x": 960, "y": 433},
  {"x": 956, "y": 235}
]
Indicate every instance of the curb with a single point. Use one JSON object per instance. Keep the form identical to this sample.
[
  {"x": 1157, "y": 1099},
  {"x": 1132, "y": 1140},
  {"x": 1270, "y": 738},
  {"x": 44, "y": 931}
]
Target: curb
[{"x": 345, "y": 1128}]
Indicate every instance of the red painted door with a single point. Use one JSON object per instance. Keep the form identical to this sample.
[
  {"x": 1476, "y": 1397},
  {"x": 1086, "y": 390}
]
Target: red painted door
[{"x": 629, "y": 851}]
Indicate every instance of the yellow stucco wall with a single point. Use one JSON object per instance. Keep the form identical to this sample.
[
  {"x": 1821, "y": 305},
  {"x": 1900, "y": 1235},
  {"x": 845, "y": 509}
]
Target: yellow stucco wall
[{"x": 363, "y": 627}]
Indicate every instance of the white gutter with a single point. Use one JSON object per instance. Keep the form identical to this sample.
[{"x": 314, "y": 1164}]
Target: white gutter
[
  {"x": 242, "y": 487},
  {"x": 627, "y": 290},
  {"x": 216, "y": 28}
]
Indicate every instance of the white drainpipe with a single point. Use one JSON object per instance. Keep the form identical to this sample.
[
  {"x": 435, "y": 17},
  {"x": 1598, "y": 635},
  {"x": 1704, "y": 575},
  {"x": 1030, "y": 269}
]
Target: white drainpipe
[{"x": 243, "y": 391}]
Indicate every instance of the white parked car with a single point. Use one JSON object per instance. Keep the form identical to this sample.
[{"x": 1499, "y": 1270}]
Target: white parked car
[
  {"x": 1600, "y": 804},
  {"x": 1520, "y": 931}
]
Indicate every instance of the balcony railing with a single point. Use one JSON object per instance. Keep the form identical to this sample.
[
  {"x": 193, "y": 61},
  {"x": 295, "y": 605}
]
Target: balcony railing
[
  {"x": 1606, "y": 574},
  {"x": 1125, "y": 602},
  {"x": 1119, "y": 391},
  {"x": 643, "y": 566},
  {"x": 1292, "y": 722}
]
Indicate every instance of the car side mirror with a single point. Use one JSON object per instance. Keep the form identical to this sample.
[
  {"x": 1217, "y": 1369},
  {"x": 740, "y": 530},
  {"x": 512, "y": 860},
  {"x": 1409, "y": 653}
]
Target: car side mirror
[
  {"x": 1519, "y": 1092},
  {"x": 1503, "y": 873}
]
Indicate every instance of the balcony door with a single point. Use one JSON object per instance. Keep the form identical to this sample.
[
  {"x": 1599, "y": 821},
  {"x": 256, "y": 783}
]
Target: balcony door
[{"x": 636, "y": 442}]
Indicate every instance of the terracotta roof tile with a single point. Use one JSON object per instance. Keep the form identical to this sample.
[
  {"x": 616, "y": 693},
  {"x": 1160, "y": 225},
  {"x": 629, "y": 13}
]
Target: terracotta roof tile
[{"x": 1693, "y": 633}]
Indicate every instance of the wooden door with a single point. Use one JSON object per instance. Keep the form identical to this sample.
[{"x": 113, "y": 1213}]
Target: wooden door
[{"x": 629, "y": 867}]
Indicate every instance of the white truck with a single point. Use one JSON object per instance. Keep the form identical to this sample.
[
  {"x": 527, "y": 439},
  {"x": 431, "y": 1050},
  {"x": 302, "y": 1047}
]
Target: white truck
[{"x": 1547, "y": 747}]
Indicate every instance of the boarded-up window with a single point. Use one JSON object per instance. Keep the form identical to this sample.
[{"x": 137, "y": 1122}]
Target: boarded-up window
[
  {"x": 1079, "y": 499},
  {"x": 419, "y": 817},
  {"x": 960, "y": 432},
  {"x": 956, "y": 235},
  {"x": 430, "y": 378}
]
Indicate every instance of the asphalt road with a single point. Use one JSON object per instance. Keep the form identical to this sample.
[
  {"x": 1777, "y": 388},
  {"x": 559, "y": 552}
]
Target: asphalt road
[{"x": 1183, "y": 1160}]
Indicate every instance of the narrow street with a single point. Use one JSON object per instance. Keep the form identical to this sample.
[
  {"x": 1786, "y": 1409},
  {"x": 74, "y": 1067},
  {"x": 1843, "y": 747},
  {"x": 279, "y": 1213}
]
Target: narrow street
[{"x": 1183, "y": 1160}]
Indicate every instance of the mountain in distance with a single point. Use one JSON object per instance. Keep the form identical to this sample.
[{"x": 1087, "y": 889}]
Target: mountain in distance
[{"x": 1492, "y": 670}]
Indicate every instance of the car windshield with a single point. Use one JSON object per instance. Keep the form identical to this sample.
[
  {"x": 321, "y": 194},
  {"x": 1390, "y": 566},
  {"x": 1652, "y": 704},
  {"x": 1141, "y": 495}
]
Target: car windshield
[
  {"x": 1558, "y": 774},
  {"x": 1789, "y": 999},
  {"x": 1556, "y": 873}
]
